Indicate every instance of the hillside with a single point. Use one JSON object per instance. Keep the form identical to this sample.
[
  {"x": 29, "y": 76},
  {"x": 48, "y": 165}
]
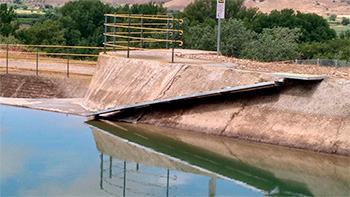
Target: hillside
[{"x": 321, "y": 7}]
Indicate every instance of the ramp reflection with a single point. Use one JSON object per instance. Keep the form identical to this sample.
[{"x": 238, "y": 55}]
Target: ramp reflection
[{"x": 146, "y": 160}]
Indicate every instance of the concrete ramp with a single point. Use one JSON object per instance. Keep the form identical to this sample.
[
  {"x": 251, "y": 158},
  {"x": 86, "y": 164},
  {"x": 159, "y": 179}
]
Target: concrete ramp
[
  {"x": 303, "y": 77},
  {"x": 231, "y": 90}
]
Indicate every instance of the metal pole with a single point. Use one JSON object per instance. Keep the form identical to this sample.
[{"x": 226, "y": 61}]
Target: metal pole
[
  {"x": 172, "y": 52},
  {"x": 7, "y": 59},
  {"x": 141, "y": 30},
  {"x": 110, "y": 167},
  {"x": 114, "y": 30},
  {"x": 124, "y": 183},
  {"x": 101, "y": 172},
  {"x": 167, "y": 33},
  {"x": 37, "y": 60},
  {"x": 68, "y": 62},
  {"x": 105, "y": 35},
  {"x": 219, "y": 31},
  {"x": 127, "y": 55}
]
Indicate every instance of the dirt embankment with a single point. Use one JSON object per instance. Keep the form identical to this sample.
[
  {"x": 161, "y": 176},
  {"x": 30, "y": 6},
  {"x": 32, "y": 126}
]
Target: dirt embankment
[
  {"x": 307, "y": 115},
  {"x": 243, "y": 64},
  {"x": 23, "y": 86}
]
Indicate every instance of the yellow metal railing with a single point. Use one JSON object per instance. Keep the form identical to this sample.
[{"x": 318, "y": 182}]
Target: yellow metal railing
[{"x": 124, "y": 34}]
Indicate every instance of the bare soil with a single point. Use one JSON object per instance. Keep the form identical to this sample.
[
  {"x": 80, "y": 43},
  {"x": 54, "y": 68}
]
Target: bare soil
[
  {"x": 334, "y": 72},
  {"x": 321, "y": 7}
]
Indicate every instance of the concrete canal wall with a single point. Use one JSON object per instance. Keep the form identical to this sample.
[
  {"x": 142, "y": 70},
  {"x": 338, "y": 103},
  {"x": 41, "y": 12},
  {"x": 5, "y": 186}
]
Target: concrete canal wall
[
  {"x": 307, "y": 115},
  {"x": 26, "y": 86}
]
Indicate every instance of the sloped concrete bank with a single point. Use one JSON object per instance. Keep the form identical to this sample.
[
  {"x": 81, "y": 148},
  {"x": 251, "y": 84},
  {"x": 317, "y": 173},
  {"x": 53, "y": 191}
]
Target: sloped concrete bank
[
  {"x": 307, "y": 115},
  {"x": 26, "y": 86},
  {"x": 43, "y": 93}
]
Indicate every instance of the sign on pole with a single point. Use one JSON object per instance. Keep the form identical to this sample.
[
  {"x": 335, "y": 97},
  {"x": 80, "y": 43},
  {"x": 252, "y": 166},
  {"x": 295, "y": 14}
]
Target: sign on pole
[
  {"x": 220, "y": 9},
  {"x": 220, "y": 14}
]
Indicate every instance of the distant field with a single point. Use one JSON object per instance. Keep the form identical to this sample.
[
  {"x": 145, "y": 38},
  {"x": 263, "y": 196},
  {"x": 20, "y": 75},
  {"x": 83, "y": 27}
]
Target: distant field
[
  {"x": 35, "y": 11},
  {"x": 340, "y": 28},
  {"x": 26, "y": 17}
]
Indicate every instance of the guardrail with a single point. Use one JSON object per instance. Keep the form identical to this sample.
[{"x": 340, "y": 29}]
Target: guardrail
[
  {"x": 122, "y": 31},
  {"x": 37, "y": 53}
]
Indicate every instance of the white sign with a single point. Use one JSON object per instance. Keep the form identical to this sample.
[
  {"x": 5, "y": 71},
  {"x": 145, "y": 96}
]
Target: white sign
[{"x": 220, "y": 9}]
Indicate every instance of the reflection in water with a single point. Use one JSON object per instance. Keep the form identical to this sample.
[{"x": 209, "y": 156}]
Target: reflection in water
[
  {"x": 114, "y": 177},
  {"x": 267, "y": 169},
  {"x": 50, "y": 154}
]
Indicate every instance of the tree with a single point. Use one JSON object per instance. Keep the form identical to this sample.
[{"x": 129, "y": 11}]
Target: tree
[
  {"x": 345, "y": 21},
  {"x": 46, "y": 33},
  {"x": 149, "y": 8},
  {"x": 17, "y": 2},
  {"x": 331, "y": 49},
  {"x": 313, "y": 27},
  {"x": 7, "y": 17},
  {"x": 202, "y": 38},
  {"x": 52, "y": 13},
  {"x": 234, "y": 37},
  {"x": 344, "y": 34},
  {"x": 333, "y": 17},
  {"x": 274, "y": 44},
  {"x": 199, "y": 10},
  {"x": 83, "y": 21}
]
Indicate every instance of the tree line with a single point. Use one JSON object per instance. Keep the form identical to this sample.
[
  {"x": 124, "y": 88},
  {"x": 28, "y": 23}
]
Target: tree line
[{"x": 246, "y": 32}]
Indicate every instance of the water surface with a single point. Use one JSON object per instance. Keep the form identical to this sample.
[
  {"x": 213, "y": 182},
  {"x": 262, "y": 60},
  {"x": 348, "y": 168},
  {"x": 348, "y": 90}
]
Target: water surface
[{"x": 51, "y": 154}]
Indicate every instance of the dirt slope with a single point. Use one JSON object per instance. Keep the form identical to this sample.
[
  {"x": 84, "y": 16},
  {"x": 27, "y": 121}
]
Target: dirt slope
[{"x": 321, "y": 7}]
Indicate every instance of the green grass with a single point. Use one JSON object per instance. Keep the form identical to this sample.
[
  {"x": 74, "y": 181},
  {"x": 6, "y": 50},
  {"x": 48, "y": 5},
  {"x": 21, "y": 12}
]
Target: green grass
[
  {"x": 26, "y": 21},
  {"x": 340, "y": 28}
]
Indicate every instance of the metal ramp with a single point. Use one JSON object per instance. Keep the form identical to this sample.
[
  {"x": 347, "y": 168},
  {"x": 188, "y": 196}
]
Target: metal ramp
[{"x": 238, "y": 89}]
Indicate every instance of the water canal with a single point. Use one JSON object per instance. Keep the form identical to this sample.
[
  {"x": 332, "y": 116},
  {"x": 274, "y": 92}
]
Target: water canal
[{"x": 51, "y": 154}]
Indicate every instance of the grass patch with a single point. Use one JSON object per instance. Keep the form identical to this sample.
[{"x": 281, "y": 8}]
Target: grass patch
[
  {"x": 340, "y": 28},
  {"x": 27, "y": 21}
]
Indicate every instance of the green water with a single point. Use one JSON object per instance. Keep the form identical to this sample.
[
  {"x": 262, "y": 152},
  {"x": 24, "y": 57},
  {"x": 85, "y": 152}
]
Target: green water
[{"x": 51, "y": 154}]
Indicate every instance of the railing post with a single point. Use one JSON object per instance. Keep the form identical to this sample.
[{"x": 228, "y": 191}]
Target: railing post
[
  {"x": 141, "y": 30},
  {"x": 105, "y": 35},
  {"x": 68, "y": 61},
  {"x": 173, "y": 45},
  {"x": 318, "y": 61},
  {"x": 37, "y": 61},
  {"x": 101, "y": 171},
  {"x": 167, "y": 33},
  {"x": 7, "y": 58},
  {"x": 114, "y": 30},
  {"x": 124, "y": 179},
  {"x": 218, "y": 42},
  {"x": 110, "y": 167},
  {"x": 167, "y": 183},
  {"x": 128, "y": 52}
]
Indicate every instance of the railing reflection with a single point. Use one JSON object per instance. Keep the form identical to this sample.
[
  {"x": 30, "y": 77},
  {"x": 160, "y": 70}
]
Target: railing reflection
[{"x": 121, "y": 173}]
